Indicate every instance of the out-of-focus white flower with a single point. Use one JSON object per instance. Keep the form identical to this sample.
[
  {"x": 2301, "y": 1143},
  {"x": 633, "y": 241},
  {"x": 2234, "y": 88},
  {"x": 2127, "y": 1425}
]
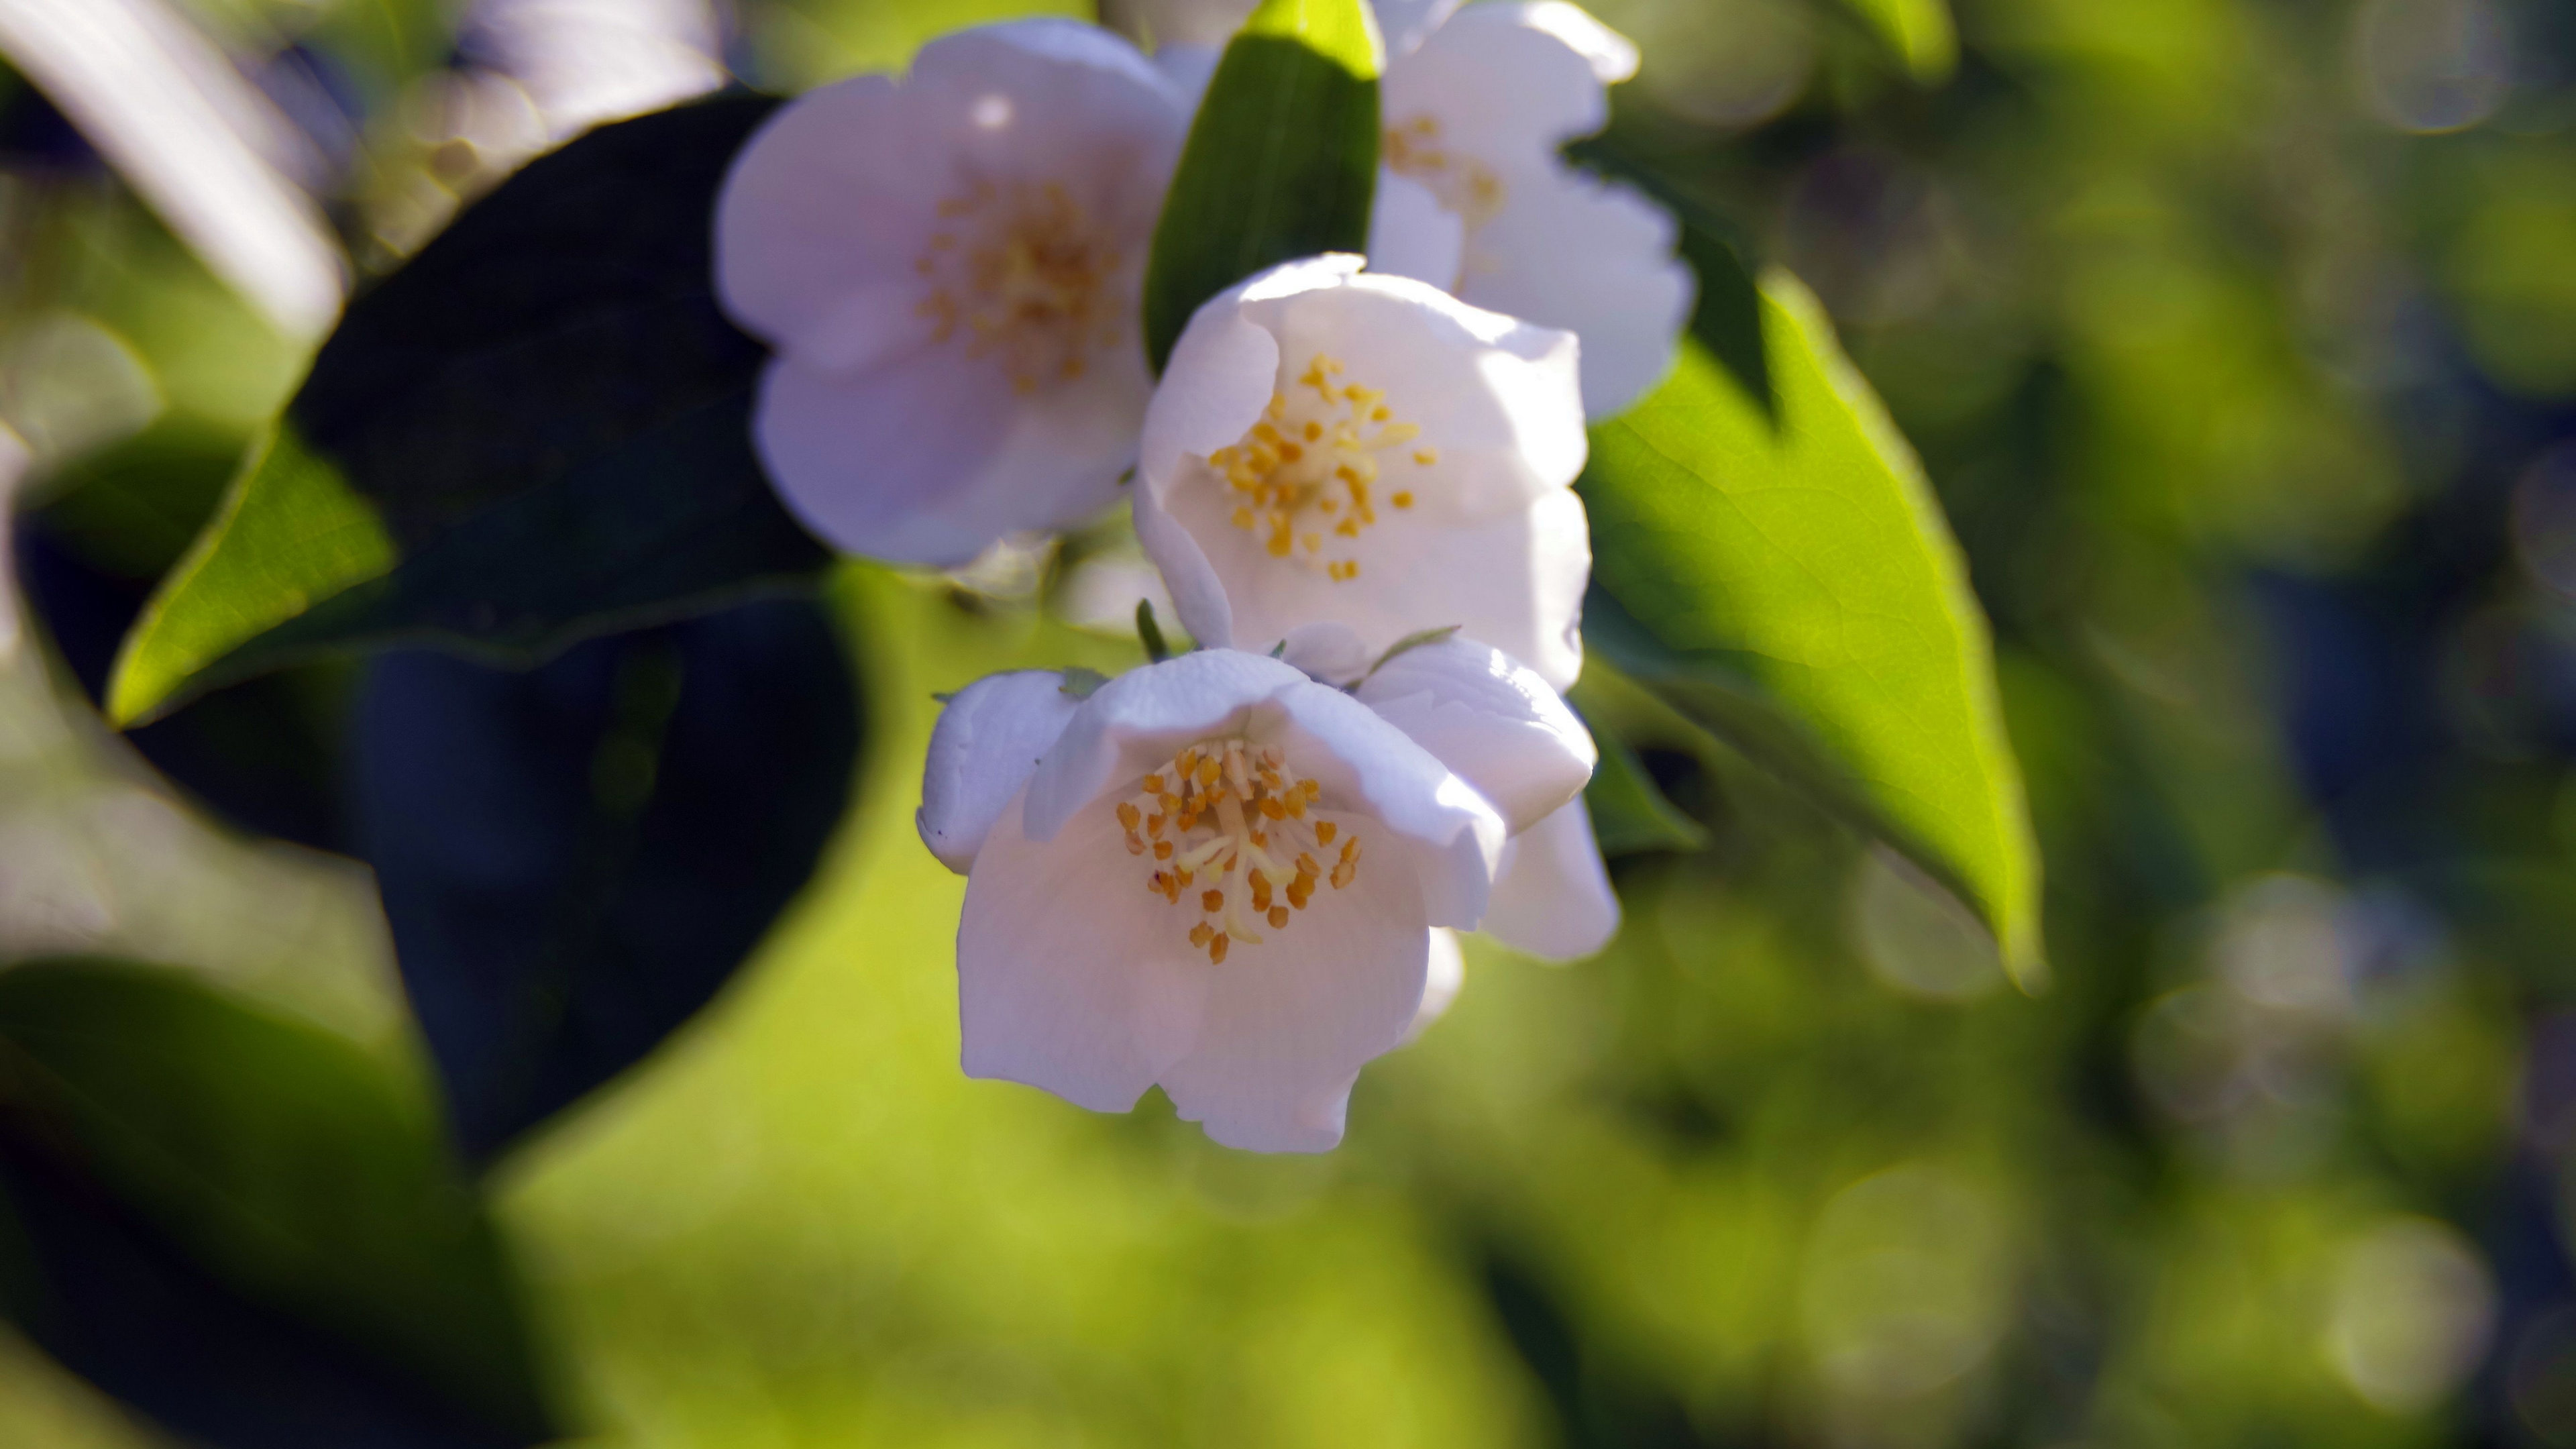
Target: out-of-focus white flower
[
  {"x": 1329, "y": 446},
  {"x": 587, "y": 61},
  {"x": 948, "y": 266},
  {"x": 1472, "y": 193},
  {"x": 209, "y": 153},
  {"x": 1217, "y": 874},
  {"x": 1475, "y": 115}
]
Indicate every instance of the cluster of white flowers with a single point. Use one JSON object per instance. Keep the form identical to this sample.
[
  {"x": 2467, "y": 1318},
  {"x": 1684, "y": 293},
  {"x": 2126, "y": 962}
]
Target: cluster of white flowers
[{"x": 1231, "y": 873}]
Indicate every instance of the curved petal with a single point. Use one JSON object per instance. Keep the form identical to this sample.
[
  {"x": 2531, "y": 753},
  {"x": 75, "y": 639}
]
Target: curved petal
[
  {"x": 1052, "y": 98},
  {"x": 982, "y": 753},
  {"x": 1500, "y": 401},
  {"x": 1612, "y": 56},
  {"x": 826, "y": 199},
  {"x": 1190, "y": 64},
  {"x": 1552, "y": 898},
  {"x": 1491, "y": 720},
  {"x": 1515, "y": 582},
  {"x": 1138, "y": 720},
  {"x": 930, "y": 462},
  {"x": 1441, "y": 981},
  {"x": 1503, "y": 82},
  {"x": 1198, "y": 596},
  {"x": 1628, "y": 301},
  {"x": 1214, "y": 386},
  {"x": 1289, "y": 1023},
  {"x": 1412, "y": 235},
  {"x": 1449, "y": 836},
  {"x": 1328, "y": 653},
  {"x": 1403, "y": 24},
  {"x": 1070, "y": 977}
]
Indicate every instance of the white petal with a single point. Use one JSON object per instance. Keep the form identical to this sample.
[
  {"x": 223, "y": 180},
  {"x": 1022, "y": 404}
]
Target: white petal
[
  {"x": 1412, "y": 235},
  {"x": 1189, "y": 66},
  {"x": 1330, "y": 653},
  {"x": 1075, "y": 101},
  {"x": 1628, "y": 301},
  {"x": 1070, "y": 975},
  {"x": 1515, "y": 582},
  {"x": 986, "y": 746},
  {"x": 1198, "y": 595},
  {"x": 1448, "y": 834},
  {"x": 931, "y": 461},
  {"x": 1140, "y": 719},
  {"x": 1491, "y": 720},
  {"x": 1404, "y": 23},
  {"x": 1441, "y": 980},
  {"x": 825, "y": 200},
  {"x": 1289, "y": 1022},
  {"x": 1214, "y": 386},
  {"x": 1499, "y": 399},
  {"x": 1612, "y": 56},
  {"x": 1502, "y": 81},
  {"x": 839, "y": 191},
  {"x": 1553, "y": 898}
]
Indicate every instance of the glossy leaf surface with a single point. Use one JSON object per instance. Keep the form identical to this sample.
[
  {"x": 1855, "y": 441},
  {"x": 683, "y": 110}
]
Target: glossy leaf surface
[
  {"x": 1785, "y": 578},
  {"x": 534, "y": 432}
]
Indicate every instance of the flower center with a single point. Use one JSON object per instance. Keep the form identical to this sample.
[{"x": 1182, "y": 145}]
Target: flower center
[
  {"x": 1228, "y": 830},
  {"x": 1020, "y": 271},
  {"x": 1305, "y": 476},
  {"x": 1463, "y": 185}
]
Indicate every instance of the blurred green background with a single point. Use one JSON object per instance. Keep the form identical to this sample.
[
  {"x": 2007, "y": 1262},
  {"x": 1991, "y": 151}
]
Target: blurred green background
[{"x": 2240, "y": 341}]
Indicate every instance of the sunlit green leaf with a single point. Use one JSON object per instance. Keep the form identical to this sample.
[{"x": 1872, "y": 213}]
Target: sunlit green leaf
[
  {"x": 244, "y": 1226},
  {"x": 534, "y": 432},
  {"x": 1281, "y": 162},
  {"x": 1785, "y": 578}
]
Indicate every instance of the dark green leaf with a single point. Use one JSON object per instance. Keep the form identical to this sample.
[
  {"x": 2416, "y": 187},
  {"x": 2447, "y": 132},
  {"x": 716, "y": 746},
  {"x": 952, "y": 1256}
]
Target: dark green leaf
[
  {"x": 244, "y": 1226},
  {"x": 263, "y": 754},
  {"x": 1630, "y": 815},
  {"x": 575, "y": 859},
  {"x": 1281, "y": 162},
  {"x": 533, "y": 433},
  {"x": 1784, "y": 577}
]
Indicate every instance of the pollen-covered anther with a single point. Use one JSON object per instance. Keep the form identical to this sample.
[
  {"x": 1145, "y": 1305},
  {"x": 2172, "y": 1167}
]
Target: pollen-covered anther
[
  {"x": 1240, "y": 818},
  {"x": 1306, "y": 475},
  {"x": 1022, "y": 274}
]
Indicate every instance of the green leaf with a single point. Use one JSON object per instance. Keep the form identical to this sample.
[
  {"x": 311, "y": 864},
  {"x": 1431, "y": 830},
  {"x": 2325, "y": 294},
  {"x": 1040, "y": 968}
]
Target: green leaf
[
  {"x": 1783, "y": 576},
  {"x": 245, "y": 1226},
  {"x": 533, "y": 433},
  {"x": 1919, "y": 31},
  {"x": 1281, "y": 162}
]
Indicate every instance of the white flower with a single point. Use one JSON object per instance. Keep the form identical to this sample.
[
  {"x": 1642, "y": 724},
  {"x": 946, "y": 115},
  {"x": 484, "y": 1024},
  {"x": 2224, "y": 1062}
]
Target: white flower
[
  {"x": 1475, "y": 115},
  {"x": 1331, "y": 446},
  {"x": 948, "y": 267},
  {"x": 1472, "y": 193},
  {"x": 1219, "y": 875}
]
